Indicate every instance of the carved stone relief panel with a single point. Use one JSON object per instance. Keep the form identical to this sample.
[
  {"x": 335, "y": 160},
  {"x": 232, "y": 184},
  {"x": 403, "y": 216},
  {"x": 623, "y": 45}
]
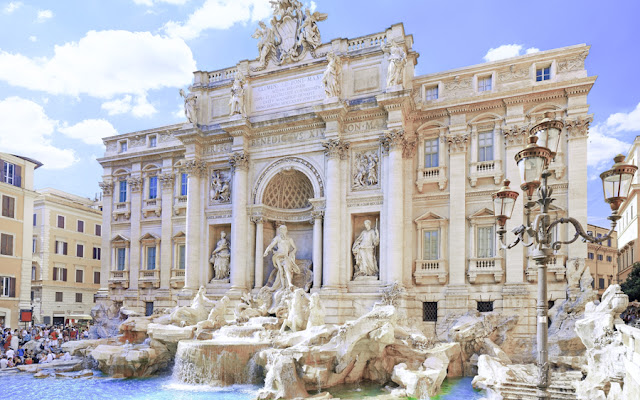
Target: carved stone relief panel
[
  {"x": 365, "y": 169},
  {"x": 366, "y": 79},
  {"x": 220, "y": 186}
]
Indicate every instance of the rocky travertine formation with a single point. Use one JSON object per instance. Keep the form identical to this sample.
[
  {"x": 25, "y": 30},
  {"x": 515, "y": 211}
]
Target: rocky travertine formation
[
  {"x": 605, "y": 350},
  {"x": 131, "y": 360}
]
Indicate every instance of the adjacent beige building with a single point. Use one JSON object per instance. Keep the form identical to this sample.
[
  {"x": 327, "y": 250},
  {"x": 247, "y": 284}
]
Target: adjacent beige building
[
  {"x": 602, "y": 259},
  {"x": 66, "y": 245},
  {"x": 17, "y": 197},
  {"x": 628, "y": 227},
  {"x": 298, "y": 141}
]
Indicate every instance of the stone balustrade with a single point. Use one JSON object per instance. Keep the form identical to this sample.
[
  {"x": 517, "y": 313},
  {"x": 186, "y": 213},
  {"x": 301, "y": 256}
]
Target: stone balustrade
[
  {"x": 121, "y": 208},
  {"x": 631, "y": 341},
  {"x": 432, "y": 175},
  {"x": 119, "y": 278},
  {"x": 485, "y": 169},
  {"x": 426, "y": 269},
  {"x": 222, "y": 75},
  {"x": 366, "y": 42},
  {"x": 151, "y": 206},
  {"x": 149, "y": 277},
  {"x": 485, "y": 266}
]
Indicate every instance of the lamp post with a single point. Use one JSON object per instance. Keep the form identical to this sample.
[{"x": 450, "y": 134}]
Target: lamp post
[{"x": 533, "y": 162}]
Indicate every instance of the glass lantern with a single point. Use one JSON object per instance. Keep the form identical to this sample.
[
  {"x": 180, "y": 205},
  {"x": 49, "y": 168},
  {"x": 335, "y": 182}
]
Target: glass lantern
[
  {"x": 548, "y": 133},
  {"x": 503, "y": 202},
  {"x": 532, "y": 160},
  {"x": 616, "y": 182}
]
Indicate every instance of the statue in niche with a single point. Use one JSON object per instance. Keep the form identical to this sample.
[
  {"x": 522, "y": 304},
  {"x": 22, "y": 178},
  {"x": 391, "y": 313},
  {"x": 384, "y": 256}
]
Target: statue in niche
[
  {"x": 267, "y": 43},
  {"x": 331, "y": 76},
  {"x": 364, "y": 250},
  {"x": 220, "y": 191},
  {"x": 190, "y": 106},
  {"x": 220, "y": 258},
  {"x": 284, "y": 259},
  {"x": 366, "y": 166},
  {"x": 236, "y": 103},
  {"x": 309, "y": 31},
  {"x": 397, "y": 62}
]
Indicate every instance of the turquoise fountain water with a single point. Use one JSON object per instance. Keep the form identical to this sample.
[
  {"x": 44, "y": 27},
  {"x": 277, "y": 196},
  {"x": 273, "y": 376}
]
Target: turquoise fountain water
[{"x": 25, "y": 386}]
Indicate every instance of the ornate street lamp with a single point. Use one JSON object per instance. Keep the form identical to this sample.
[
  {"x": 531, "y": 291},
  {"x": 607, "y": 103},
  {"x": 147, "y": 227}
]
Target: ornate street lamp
[{"x": 533, "y": 162}]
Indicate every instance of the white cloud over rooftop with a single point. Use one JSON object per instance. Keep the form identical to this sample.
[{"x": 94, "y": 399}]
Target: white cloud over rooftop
[{"x": 507, "y": 51}]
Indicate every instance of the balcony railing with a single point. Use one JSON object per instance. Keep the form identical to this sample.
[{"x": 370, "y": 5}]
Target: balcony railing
[
  {"x": 485, "y": 266},
  {"x": 180, "y": 203},
  {"x": 426, "y": 269},
  {"x": 149, "y": 277},
  {"x": 122, "y": 208},
  {"x": 152, "y": 206},
  {"x": 432, "y": 175},
  {"x": 222, "y": 75},
  {"x": 366, "y": 42},
  {"x": 119, "y": 278},
  {"x": 177, "y": 278},
  {"x": 485, "y": 169}
]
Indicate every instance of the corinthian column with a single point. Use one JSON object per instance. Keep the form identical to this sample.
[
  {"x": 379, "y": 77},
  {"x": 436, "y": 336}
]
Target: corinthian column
[
  {"x": 195, "y": 169},
  {"x": 335, "y": 151},
  {"x": 259, "y": 260},
  {"x": 317, "y": 248},
  {"x": 105, "y": 263},
  {"x": 239, "y": 221},
  {"x": 457, "y": 208}
]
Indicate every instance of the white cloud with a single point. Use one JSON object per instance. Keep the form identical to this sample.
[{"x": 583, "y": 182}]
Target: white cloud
[
  {"x": 507, "y": 51},
  {"x": 12, "y": 6},
  {"x": 628, "y": 122},
  {"x": 44, "y": 15},
  {"x": 219, "y": 14},
  {"x": 104, "y": 64},
  {"x": 150, "y": 3},
  {"x": 141, "y": 107},
  {"x": 26, "y": 130},
  {"x": 90, "y": 131},
  {"x": 33, "y": 38}
]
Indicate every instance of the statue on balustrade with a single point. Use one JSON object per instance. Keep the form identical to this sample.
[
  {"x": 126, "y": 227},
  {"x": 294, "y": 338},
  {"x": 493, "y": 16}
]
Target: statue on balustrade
[
  {"x": 364, "y": 250},
  {"x": 284, "y": 259},
  {"x": 268, "y": 40},
  {"x": 190, "y": 106},
  {"x": 397, "y": 62},
  {"x": 236, "y": 103},
  {"x": 331, "y": 76},
  {"x": 221, "y": 258}
]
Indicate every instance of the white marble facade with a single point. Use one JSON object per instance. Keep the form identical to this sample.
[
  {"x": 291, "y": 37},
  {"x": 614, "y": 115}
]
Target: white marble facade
[{"x": 418, "y": 159}]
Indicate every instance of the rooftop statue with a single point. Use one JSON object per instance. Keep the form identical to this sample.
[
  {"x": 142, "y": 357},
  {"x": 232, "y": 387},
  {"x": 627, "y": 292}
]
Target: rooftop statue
[
  {"x": 397, "y": 62},
  {"x": 190, "y": 106}
]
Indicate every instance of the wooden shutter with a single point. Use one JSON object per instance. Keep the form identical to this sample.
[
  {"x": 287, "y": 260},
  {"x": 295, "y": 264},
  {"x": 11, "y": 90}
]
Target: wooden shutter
[
  {"x": 17, "y": 180},
  {"x": 96, "y": 277},
  {"x": 6, "y": 245},
  {"x": 79, "y": 276},
  {"x": 12, "y": 287},
  {"x": 1, "y": 171},
  {"x": 55, "y": 273},
  {"x": 64, "y": 274},
  {"x": 64, "y": 248},
  {"x": 5, "y": 206}
]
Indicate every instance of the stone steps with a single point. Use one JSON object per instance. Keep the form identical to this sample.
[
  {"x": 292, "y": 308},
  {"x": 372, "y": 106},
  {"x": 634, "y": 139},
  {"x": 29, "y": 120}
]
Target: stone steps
[{"x": 523, "y": 391}]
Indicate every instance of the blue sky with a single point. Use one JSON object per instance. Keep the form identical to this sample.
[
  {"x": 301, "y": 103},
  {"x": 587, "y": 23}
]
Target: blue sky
[{"x": 72, "y": 72}]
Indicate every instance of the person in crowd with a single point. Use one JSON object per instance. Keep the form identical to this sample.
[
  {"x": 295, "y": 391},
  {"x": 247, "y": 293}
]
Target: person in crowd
[{"x": 4, "y": 363}]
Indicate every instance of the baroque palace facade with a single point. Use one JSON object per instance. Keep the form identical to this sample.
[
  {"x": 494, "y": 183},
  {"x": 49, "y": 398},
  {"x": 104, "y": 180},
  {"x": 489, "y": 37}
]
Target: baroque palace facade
[{"x": 322, "y": 137}]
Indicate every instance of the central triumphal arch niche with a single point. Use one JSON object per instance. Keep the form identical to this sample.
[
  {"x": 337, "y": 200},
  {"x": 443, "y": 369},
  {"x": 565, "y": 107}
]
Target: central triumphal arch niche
[{"x": 286, "y": 200}]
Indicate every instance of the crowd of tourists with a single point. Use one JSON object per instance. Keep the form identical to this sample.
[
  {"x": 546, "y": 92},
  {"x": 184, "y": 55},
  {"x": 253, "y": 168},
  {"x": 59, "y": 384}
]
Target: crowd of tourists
[
  {"x": 631, "y": 316},
  {"x": 36, "y": 345}
]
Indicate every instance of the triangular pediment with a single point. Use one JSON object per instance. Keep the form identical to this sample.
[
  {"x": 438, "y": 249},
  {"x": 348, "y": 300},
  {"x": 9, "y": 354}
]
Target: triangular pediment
[
  {"x": 120, "y": 238},
  {"x": 485, "y": 212},
  {"x": 179, "y": 235},
  {"x": 149, "y": 236},
  {"x": 429, "y": 216}
]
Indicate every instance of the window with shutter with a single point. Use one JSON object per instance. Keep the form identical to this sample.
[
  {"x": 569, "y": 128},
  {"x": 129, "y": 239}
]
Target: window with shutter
[
  {"x": 78, "y": 297},
  {"x": 8, "y": 207},
  {"x": 6, "y": 244},
  {"x": 98, "y": 230},
  {"x": 79, "y": 276},
  {"x": 58, "y": 297},
  {"x": 96, "y": 277},
  {"x": 80, "y": 226},
  {"x": 60, "y": 221},
  {"x": 79, "y": 250}
]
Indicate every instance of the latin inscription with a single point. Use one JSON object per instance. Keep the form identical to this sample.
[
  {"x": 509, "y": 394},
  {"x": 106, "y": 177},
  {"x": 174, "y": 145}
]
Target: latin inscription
[
  {"x": 286, "y": 138},
  {"x": 218, "y": 148},
  {"x": 288, "y": 93},
  {"x": 365, "y": 126}
]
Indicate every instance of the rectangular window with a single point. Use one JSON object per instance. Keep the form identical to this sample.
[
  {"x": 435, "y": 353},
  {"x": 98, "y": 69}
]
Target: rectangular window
[
  {"x": 122, "y": 192},
  {"x": 7, "y": 286},
  {"x": 609, "y": 259},
  {"x": 600, "y": 257},
  {"x": 485, "y": 146},
  {"x": 98, "y": 230},
  {"x": 431, "y": 153},
  {"x": 61, "y": 247},
  {"x": 609, "y": 242},
  {"x": 430, "y": 311},
  {"x": 35, "y": 219},
  {"x": 484, "y": 84},
  {"x": 6, "y": 244},
  {"x": 96, "y": 277},
  {"x": 121, "y": 259},
  {"x": 543, "y": 74},
  {"x": 79, "y": 276},
  {"x": 153, "y": 141},
  {"x": 432, "y": 93},
  {"x": 78, "y": 297},
  {"x": 181, "y": 256},
  {"x": 79, "y": 250},
  {"x": 9, "y": 173},
  {"x": 148, "y": 308},
  {"x": 59, "y": 297},
  {"x": 80, "y": 226},
  {"x": 183, "y": 184},
  {"x": 96, "y": 253},
  {"x": 60, "y": 221},
  {"x": 153, "y": 187},
  {"x": 151, "y": 258},
  {"x": 34, "y": 245},
  {"x": 8, "y": 207},
  {"x": 485, "y": 306},
  {"x": 591, "y": 256},
  {"x": 430, "y": 245},
  {"x": 33, "y": 272},
  {"x": 486, "y": 241},
  {"x": 601, "y": 283},
  {"x": 123, "y": 146}
]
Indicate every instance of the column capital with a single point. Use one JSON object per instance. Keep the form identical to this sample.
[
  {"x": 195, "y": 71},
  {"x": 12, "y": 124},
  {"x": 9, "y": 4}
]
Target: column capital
[
  {"x": 195, "y": 167},
  {"x": 458, "y": 143},
  {"x": 135, "y": 183},
  {"x": 579, "y": 127},
  {"x": 317, "y": 214},
  {"x": 239, "y": 160},
  {"x": 107, "y": 188},
  {"x": 257, "y": 219},
  {"x": 167, "y": 180},
  {"x": 334, "y": 148},
  {"x": 516, "y": 135}
]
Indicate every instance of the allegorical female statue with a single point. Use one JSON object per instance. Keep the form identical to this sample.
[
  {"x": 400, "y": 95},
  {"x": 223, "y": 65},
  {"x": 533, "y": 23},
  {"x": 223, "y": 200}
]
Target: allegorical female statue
[
  {"x": 190, "y": 106},
  {"x": 331, "y": 76},
  {"x": 397, "y": 62},
  {"x": 236, "y": 102},
  {"x": 220, "y": 258},
  {"x": 284, "y": 259},
  {"x": 364, "y": 250}
]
